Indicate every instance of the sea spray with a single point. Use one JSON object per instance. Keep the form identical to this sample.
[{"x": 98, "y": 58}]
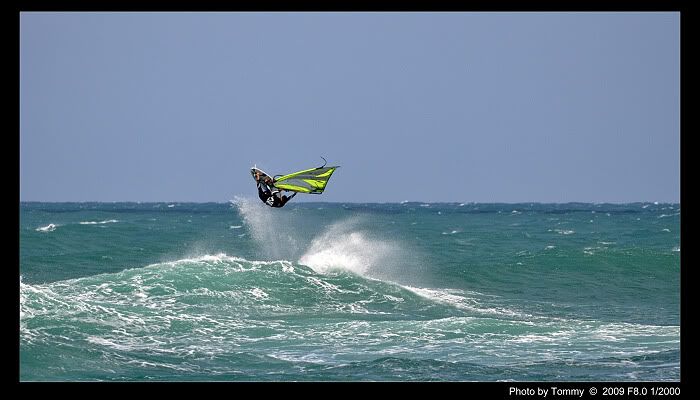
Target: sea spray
[
  {"x": 272, "y": 229},
  {"x": 344, "y": 246}
]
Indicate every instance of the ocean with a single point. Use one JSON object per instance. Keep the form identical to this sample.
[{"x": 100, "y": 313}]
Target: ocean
[{"x": 349, "y": 292}]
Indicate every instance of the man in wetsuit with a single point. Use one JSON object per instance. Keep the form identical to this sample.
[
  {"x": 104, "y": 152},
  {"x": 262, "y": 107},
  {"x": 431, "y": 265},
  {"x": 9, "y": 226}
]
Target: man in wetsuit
[{"x": 273, "y": 198}]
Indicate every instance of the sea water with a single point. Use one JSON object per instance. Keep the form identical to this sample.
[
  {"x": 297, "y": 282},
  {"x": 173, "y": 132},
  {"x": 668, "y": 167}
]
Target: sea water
[{"x": 349, "y": 292}]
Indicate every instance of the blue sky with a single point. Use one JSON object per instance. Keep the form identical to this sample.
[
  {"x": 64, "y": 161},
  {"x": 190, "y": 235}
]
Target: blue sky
[{"x": 484, "y": 107}]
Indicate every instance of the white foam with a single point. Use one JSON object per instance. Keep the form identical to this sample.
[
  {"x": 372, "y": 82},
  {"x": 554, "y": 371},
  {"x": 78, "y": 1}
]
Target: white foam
[
  {"x": 110, "y": 221},
  {"x": 287, "y": 267},
  {"x": 592, "y": 250},
  {"x": 220, "y": 258},
  {"x": 326, "y": 286},
  {"x": 344, "y": 246},
  {"x": 259, "y": 293},
  {"x": 235, "y": 226},
  {"x": 108, "y": 343},
  {"x": 47, "y": 228},
  {"x": 454, "y": 298},
  {"x": 667, "y": 215},
  {"x": 353, "y": 251}
]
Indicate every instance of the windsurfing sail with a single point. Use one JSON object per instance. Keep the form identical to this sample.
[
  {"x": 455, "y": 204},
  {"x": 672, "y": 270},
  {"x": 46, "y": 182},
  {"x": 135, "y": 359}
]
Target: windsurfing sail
[{"x": 312, "y": 181}]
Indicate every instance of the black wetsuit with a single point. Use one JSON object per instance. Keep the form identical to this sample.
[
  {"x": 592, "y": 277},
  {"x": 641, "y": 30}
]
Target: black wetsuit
[{"x": 270, "y": 198}]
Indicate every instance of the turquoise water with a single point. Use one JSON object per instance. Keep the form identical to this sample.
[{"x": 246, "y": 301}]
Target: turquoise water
[{"x": 349, "y": 292}]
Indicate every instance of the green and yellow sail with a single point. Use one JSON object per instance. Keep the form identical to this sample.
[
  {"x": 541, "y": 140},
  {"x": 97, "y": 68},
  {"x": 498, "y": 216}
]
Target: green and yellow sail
[{"x": 312, "y": 181}]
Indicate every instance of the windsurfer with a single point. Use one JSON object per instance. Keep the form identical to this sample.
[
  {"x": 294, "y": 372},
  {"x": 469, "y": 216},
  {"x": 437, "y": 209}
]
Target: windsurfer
[{"x": 273, "y": 198}]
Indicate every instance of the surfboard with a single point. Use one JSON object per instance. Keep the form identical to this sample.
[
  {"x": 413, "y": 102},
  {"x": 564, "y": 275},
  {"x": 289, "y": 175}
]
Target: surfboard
[{"x": 263, "y": 176}]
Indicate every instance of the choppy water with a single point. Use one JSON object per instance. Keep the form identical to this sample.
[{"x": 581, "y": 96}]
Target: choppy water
[{"x": 319, "y": 291}]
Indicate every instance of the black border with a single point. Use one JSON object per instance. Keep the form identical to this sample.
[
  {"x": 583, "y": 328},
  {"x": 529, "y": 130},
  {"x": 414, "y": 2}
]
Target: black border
[{"x": 463, "y": 389}]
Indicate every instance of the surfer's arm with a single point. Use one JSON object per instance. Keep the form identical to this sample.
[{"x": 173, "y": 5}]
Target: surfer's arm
[{"x": 285, "y": 199}]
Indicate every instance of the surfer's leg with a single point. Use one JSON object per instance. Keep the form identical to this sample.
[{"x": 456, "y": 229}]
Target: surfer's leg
[{"x": 263, "y": 194}]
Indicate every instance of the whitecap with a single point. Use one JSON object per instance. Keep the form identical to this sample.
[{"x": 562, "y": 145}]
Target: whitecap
[
  {"x": 344, "y": 246},
  {"x": 565, "y": 231},
  {"x": 47, "y": 228},
  {"x": 110, "y": 221},
  {"x": 667, "y": 215},
  {"x": 258, "y": 293}
]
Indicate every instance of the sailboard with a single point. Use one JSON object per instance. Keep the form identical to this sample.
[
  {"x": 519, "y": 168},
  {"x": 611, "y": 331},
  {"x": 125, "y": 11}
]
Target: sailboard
[
  {"x": 310, "y": 181},
  {"x": 263, "y": 176}
]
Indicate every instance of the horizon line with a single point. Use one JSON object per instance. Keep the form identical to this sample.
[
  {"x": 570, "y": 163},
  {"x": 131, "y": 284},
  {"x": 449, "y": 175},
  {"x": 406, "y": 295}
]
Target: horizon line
[{"x": 360, "y": 202}]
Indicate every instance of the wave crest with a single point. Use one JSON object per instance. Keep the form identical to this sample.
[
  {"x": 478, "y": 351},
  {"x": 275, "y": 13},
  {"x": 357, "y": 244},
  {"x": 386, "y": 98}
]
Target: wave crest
[{"x": 342, "y": 247}]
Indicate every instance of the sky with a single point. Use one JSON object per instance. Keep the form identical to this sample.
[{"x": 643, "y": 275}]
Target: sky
[{"x": 430, "y": 107}]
